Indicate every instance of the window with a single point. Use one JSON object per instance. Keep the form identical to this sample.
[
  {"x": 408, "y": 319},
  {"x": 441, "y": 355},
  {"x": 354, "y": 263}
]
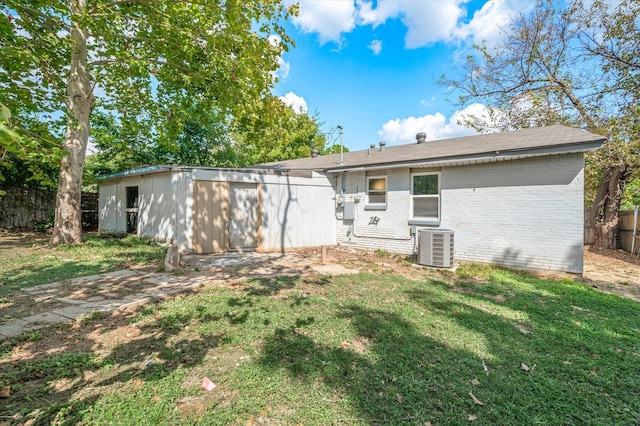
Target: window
[
  {"x": 131, "y": 194},
  {"x": 425, "y": 191},
  {"x": 377, "y": 191}
]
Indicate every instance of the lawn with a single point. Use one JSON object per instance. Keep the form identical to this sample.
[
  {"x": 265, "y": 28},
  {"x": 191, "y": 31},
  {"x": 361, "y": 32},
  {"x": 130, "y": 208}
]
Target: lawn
[
  {"x": 481, "y": 346},
  {"x": 26, "y": 261}
]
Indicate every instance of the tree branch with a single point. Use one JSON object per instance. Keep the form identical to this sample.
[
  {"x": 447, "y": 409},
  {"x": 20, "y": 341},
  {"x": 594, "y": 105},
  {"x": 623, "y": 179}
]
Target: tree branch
[
  {"x": 152, "y": 61},
  {"x": 119, "y": 2},
  {"x": 56, "y": 22}
]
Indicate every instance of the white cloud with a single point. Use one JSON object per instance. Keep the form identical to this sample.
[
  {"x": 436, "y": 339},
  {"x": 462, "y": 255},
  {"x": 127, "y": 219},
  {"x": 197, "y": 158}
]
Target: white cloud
[
  {"x": 428, "y": 103},
  {"x": 426, "y": 22},
  {"x": 283, "y": 71},
  {"x": 375, "y": 46},
  {"x": 298, "y": 103},
  {"x": 488, "y": 22},
  {"x": 329, "y": 19},
  {"x": 436, "y": 126}
]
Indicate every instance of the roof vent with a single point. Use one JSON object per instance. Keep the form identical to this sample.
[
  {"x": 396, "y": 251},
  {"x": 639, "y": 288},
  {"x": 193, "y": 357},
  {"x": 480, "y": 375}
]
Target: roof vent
[
  {"x": 314, "y": 153},
  {"x": 421, "y": 137},
  {"x": 373, "y": 145},
  {"x": 382, "y": 144}
]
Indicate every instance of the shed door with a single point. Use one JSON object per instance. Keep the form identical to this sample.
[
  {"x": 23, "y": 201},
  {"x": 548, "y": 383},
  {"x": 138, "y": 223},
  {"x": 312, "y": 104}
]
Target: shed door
[
  {"x": 244, "y": 221},
  {"x": 210, "y": 210}
]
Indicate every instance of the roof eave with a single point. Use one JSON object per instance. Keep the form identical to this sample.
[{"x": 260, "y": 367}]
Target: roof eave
[
  {"x": 487, "y": 157},
  {"x": 136, "y": 172}
]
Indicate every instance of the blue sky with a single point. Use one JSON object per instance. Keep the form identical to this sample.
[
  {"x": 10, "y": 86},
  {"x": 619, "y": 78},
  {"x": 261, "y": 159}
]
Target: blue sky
[{"x": 372, "y": 66}]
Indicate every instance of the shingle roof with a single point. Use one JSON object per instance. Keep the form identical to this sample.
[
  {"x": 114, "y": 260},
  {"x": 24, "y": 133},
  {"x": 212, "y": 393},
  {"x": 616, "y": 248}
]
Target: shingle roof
[{"x": 456, "y": 151}]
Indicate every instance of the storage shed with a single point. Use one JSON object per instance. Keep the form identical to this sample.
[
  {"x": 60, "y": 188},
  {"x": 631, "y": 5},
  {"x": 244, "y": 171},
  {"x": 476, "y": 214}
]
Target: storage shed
[{"x": 208, "y": 210}]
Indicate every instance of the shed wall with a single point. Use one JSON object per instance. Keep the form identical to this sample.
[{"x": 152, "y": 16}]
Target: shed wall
[
  {"x": 526, "y": 213},
  {"x": 295, "y": 211},
  {"x": 155, "y": 206},
  {"x": 297, "y": 215},
  {"x": 109, "y": 208}
]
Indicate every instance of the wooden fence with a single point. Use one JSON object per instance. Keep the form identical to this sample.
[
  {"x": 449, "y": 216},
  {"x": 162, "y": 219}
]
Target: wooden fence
[
  {"x": 625, "y": 231},
  {"x": 589, "y": 234},
  {"x": 33, "y": 208}
]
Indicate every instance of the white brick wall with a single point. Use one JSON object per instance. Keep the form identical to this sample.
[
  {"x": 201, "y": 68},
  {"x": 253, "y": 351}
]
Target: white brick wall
[{"x": 525, "y": 213}]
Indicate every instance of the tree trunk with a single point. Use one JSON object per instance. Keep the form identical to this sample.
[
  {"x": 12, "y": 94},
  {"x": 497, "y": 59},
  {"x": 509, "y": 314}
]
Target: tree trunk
[
  {"x": 605, "y": 213},
  {"x": 67, "y": 227}
]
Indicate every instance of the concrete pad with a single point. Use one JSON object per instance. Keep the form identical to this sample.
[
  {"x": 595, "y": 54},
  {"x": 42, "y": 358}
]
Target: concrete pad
[
  {"x": 89, "y": 278},
  {"x": 47, "y": 318},
  {"x": 13, "y": 328},
  {"x": 73, "y": 312},
  {"x": 42, "y": 289},
  {"x": 106, "y": 306},
  {"x": 71, "y": 301},
  {"x": 334, "y": 270},
  {"x": 119, "y": 274},
  {"x": 96, "y": 307},
  {"x": 162, "y": 280}
]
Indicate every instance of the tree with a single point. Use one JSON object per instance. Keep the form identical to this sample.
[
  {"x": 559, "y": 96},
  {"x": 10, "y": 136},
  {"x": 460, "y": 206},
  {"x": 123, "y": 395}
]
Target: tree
[
  {"x": 277, "y": 132},
  {"x": 573, "y": 66},
  {"x": 274, "y": 133},
  {"x": 151, "y": 63}
]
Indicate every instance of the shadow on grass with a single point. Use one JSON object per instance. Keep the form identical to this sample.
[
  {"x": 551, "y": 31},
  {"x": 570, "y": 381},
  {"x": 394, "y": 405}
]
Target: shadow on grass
[
  {"x": 409, "y": 361},
  {"x": 98, "y": 254},
  {"x": 407, "y": 371},
  {"x": 23, "y": 239},
  {"x": 390, "y": 373}
]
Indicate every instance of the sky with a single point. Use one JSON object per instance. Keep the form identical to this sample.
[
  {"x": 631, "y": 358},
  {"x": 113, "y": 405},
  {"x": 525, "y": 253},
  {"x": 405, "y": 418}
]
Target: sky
[{"x": 372, "y": 66}]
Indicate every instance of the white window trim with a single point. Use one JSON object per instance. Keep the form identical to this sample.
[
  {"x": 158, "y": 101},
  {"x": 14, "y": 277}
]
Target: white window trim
[
  {"x": 386, "y": 193},
  {"x": 438, "y": 196}
]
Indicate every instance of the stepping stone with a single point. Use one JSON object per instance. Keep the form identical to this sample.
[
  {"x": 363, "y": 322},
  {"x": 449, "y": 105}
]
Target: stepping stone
[
  {"x": 72, "y": 301},
  {"x": 13, "y": 328},
  {"x": 73, "y": 312},
  {"x": 89, "y": 278},
  {"x": 45, "y": 319},
  {"x": 42, "y": 289},
  {"x": 119, "y": 274}
]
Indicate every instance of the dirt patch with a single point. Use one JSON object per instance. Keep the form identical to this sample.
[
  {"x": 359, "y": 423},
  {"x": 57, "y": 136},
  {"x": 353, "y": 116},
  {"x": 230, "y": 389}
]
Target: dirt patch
[
  {"x": 23, "y": 240},
  {"x": 612, "y": 271}
]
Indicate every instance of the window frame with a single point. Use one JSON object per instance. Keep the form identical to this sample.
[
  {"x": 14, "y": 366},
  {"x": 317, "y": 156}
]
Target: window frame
[
  {"x": 436, "y": 196},
  {"x": 377, "y": 205}
]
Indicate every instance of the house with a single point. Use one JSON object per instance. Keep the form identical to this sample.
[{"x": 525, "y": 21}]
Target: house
[{"x": 513, "y": 198}]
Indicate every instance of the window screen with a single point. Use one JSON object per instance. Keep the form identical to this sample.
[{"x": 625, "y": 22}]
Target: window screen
[{"x": 425, "y": 190}]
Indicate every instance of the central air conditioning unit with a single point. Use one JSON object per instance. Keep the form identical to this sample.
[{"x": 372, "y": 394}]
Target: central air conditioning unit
[{"x": 435, "y": 247}]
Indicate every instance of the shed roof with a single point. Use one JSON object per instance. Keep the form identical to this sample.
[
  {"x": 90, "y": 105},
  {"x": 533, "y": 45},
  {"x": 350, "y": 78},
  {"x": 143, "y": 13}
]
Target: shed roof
[{"x": 493, "y": 147}]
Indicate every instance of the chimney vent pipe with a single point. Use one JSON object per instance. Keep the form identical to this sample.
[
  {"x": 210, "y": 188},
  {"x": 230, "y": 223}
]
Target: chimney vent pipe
[{"x": 370, "y": 148}]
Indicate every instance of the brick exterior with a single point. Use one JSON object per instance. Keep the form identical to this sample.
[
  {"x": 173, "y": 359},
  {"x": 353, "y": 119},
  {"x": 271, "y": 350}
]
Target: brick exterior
[{"x": 523, "y": 213}]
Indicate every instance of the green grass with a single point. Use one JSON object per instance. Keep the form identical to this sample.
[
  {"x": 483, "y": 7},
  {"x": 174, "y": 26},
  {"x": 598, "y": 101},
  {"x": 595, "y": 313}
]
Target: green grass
[
  {"x": 35, "y": 264},
  {"x": 377, "y": 349}
]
